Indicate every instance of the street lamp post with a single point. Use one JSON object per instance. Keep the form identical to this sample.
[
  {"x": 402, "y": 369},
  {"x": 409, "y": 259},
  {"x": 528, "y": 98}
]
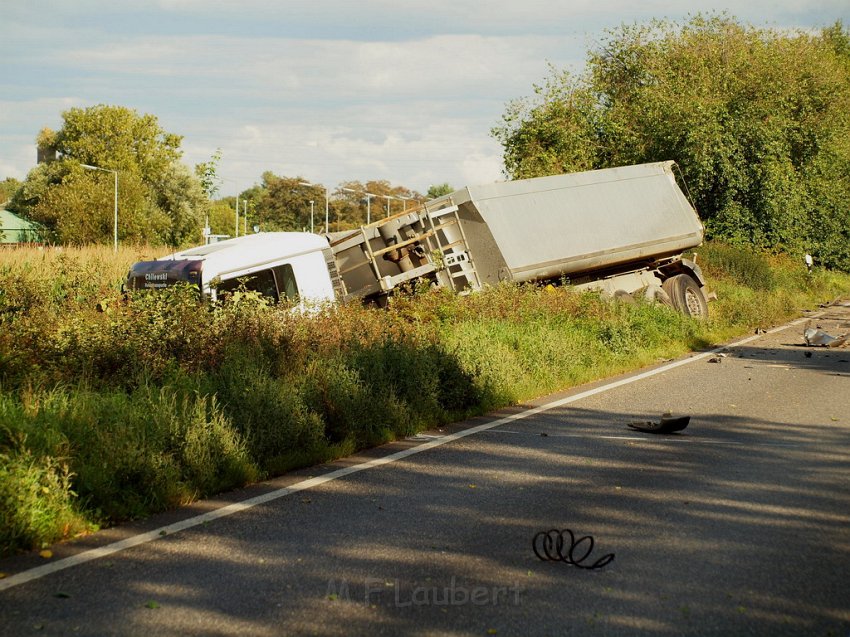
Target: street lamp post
[
  {"x": 369, "y": 196},
  {"x": 311, "y": 215},
  {"x": 115, "y": 202},
  {"x": 327, "y": 206}
]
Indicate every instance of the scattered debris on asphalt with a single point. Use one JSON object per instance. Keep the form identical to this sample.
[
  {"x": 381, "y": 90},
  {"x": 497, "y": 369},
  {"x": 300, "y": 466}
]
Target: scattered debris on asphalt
[
  {"x": 717, "y": 358},
  {"x": 839, "y": 302},
  {"x": 816, "y": 337},
  {"x": 668, "y": 424}
]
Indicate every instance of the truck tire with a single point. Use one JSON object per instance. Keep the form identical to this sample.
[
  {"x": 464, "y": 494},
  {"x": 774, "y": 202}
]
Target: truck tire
[
  {"x": 687, "y": 296},
  {"x": 654, "y": 294},
  {"x": 623, "y": 297}
]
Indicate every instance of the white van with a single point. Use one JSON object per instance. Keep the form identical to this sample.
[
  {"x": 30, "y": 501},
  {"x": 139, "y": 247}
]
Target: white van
[{"x": 295, "y": 266}]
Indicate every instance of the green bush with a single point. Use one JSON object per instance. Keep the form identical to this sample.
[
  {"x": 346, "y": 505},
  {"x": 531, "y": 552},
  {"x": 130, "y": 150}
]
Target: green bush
[
  {"x": 129, "y": 454},
  {"x": 37, "y": 505},
  {"x": 743, "y": 265},
  {"x": 268, "y": 411}
]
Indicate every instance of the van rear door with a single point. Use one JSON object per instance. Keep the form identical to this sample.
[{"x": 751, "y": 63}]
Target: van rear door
[{"x": 151, "y": 275}]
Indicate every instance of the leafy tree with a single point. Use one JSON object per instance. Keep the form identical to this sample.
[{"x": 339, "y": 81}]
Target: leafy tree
[
  {"x": 79, "y": 209},
  {"x": 222, "y": 216},
  {"x": 159, "y": 199},
  {"x": 349, "y": 205},
  {"x": 207, "y": 173},
  {"x": 556, "y": 132},
  {"x": 118, "y": 138},
  {"x": 354, "y": 201},
  {"x": 281, "y": 203},
  {"x": 184, "y": 197},
  {"x": 758, "y": 120},
  {"x": 8, "y": 187},
  {"x": 439, "y": 190},
  {"x": 838, "y": 38}
]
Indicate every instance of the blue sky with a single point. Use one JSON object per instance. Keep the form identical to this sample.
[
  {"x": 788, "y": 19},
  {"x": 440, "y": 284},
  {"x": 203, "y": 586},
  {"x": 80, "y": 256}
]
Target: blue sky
[{"x": 328, "y": 90}]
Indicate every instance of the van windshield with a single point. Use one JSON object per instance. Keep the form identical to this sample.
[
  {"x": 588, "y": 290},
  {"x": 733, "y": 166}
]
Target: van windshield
[{"x": 275, "y": 283}]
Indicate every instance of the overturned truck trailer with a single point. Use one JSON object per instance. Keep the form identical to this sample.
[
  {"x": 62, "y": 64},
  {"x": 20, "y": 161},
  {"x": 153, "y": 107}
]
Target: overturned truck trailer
[{"x": 620, "y": 230}]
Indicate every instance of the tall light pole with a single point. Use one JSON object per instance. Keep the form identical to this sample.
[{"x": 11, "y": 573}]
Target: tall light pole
[
  {"x": 327, "y": 206},
  {"x": 369, "y": 196},
  {"x": 311, "y": 215},
  {"x": 115, "y": 205}
]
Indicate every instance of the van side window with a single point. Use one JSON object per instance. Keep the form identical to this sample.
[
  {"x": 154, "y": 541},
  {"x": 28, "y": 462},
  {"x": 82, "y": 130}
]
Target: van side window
[
  {"x": 261, "y": 281},
  {"x": 286, "y": 283}
]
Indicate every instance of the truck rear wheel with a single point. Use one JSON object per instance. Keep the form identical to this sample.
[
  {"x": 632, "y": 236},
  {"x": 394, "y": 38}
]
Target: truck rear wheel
[
  {"x": 654, "y": 294},
  {"x": 623, "y": 297},
  {"x": 687, "y": 296}
]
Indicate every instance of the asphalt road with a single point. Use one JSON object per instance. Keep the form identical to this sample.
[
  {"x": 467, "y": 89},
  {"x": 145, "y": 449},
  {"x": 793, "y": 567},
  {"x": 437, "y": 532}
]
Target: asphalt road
[{"x": 738, "y": 525}]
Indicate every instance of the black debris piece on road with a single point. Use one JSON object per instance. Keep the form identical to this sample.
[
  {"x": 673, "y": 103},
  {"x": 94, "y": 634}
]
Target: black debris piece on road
[
  {"x": 669, "y": 424},
  {"x": 552, "y": 546}
]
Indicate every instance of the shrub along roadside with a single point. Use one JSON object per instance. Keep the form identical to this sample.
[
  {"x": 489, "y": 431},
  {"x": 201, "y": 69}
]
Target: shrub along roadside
[{"x": 160, "y": 400}]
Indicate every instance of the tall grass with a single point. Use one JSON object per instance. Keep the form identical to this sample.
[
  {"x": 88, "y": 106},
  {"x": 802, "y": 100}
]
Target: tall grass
[{"x": 113, "y": 408}]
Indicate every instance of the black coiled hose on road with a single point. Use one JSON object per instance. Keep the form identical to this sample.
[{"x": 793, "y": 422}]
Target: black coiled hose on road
[{"x": 552, "y": 546}]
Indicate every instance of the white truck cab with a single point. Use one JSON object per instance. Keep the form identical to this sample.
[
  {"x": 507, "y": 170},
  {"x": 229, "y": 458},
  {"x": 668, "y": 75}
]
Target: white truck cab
[{"x": 294, "y": 266}]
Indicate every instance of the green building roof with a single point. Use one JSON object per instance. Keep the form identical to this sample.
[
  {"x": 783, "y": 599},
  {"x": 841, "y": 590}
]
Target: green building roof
[{"x": 13, "y": 229}]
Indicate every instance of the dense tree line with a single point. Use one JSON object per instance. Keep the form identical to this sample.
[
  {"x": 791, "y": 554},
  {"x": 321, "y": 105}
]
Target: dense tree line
[
  {"x": 757, "y": 119},
  {"x": 283, "y": 203},
  {"x": 160, "y": 200}
]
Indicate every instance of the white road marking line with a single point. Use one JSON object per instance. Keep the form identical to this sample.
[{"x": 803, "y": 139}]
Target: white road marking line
[{"x": 237, "y": 507}]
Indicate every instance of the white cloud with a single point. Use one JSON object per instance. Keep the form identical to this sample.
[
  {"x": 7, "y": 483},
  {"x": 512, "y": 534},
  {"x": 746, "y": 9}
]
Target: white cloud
[
  {"x": 415, "y": 113},
  {"x": 494, "y": 16},
  {"x": 335, "y": 68}
]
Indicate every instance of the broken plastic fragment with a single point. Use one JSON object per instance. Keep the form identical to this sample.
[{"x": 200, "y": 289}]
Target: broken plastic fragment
[{"x": 816, "y": 337}]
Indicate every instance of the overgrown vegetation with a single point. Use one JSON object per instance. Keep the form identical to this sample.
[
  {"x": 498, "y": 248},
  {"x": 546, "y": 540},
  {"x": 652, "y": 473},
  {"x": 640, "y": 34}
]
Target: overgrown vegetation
[{"x": 112, "y": 409}]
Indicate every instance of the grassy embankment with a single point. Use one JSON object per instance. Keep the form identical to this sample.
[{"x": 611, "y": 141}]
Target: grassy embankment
[{"x": 156, "y": 401}]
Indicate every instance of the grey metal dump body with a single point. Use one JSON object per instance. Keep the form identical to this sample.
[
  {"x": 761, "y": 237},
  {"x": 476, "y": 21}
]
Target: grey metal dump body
[
  {"x": 535, "y": 229},
  {"x": 589, "y": 225}
]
